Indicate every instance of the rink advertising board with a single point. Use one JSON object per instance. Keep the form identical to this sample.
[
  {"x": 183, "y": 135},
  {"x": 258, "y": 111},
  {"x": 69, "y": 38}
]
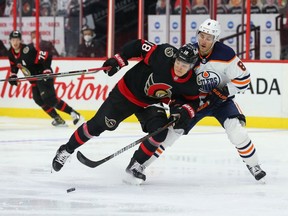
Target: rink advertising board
[{"x": 265, "y": 103}]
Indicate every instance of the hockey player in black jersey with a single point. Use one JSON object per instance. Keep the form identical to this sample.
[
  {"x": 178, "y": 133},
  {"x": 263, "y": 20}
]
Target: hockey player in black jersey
[
  {"x": 33, "y": 62},
  {"x": 164, "y": 74}
]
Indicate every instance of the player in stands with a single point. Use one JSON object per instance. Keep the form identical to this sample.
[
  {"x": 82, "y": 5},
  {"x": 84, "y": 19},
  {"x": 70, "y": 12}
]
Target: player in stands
[
  {"x": 164, "y": 73},
  {"x": 32, "y": 62},
  {"x": 221, "y": 75}
]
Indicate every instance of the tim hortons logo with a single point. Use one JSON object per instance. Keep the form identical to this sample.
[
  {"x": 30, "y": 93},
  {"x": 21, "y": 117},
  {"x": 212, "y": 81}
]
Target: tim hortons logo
[{"x": 83, "y": 87}]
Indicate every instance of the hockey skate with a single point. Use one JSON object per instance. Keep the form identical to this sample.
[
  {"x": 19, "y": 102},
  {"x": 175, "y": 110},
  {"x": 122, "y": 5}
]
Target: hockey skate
[
  {"x": 257, "y": 172},
  {"x": 135, "y": 173},
  {"x": 60, "y": 158},
  {"x": 59, "y": 122},
  {"x": 75, "y": 116}
]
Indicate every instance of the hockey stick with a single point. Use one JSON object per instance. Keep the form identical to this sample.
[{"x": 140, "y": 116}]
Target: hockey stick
[
  {"x": 93, "y": 164},
  {"x": 55, "y": 75}
]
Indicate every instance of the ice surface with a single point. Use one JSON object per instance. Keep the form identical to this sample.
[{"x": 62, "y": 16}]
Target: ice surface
[{"x": 201, "y": 175}]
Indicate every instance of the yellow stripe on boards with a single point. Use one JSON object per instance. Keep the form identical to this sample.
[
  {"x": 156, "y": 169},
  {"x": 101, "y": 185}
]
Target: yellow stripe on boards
[{"x": 252, "y": 122}]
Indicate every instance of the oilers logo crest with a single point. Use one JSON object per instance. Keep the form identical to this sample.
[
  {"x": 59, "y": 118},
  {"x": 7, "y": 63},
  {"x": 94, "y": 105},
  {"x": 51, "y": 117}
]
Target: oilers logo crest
[
  {"x": 207, "y": 80},
  {"x": 157, "y": 90}
]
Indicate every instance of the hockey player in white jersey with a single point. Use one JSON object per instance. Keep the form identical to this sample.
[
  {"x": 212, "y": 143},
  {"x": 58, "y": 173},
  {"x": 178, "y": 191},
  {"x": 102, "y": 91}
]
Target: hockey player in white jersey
[{"x": 221, "y": 75}]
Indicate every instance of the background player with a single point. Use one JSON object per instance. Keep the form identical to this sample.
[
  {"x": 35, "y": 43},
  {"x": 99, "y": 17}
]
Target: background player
[{"x": 33, "y": 62}]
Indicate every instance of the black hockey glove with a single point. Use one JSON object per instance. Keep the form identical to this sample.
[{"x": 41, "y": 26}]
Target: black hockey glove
[
  {"x": 46, "y": 72},
  {"x": 217, "y": 96},
  {"x": 13, "y": 82},
  {"x": 183, "y": 113},
  {"x": 116, "y": 63}
]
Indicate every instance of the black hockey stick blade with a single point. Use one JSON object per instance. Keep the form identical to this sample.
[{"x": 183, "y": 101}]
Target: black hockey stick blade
[{"x": 90, "y": 163}]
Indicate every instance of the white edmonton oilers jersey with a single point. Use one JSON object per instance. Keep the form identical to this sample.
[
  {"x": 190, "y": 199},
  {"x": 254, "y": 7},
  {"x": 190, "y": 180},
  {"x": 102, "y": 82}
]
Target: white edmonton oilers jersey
[{"x": 222, "y": 67}]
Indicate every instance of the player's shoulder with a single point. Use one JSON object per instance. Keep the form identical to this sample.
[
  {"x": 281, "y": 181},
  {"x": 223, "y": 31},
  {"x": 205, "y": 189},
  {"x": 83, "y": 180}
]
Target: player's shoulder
[
  {"x": 46, "y": 43},
  {"x": 164, "y": 51},
  {"x": 165, "y": 45},
  {"x": 10, "y": 53},
  {"x": 27, "y": 48},
  {"x": 168, "y": 49},
  {"x": 222, "y": 52}
]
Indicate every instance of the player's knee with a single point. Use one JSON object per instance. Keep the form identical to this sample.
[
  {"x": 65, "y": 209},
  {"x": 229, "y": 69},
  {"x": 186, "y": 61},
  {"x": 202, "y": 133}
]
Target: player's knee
[
  {"x": 51, "y": 101},
  {"x": 235, "y": 132},
  {"x": 159, "y": 138},
  {"x": 38, "y": 100},
  {"x": 96, "y": 125},
  {"x": 152, "y": 118}
]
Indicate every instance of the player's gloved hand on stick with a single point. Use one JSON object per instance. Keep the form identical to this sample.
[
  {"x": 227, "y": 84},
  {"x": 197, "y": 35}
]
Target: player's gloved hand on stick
[
  {"x": 217, "y": 96},
  {"x": 184, "y": 113},
  {"x": 13, "y": 82},
  {"x": 47, "y": 71},
  {"x": 116, "y": 63}
]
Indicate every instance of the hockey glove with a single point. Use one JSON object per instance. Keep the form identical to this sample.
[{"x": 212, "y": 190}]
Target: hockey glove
[
  {"x": 47, "y": 71},
  {"x": 116, "y": 63},
  {"x": 183, "y": 113},
  {"x": 13, "y": 82},
  {"x": 217, "y": 96}
]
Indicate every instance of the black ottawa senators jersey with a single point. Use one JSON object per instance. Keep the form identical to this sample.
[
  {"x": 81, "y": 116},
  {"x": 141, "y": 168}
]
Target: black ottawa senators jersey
[
  {"x": 153, "y": 79},
  {"x": 29, "y": 60}
]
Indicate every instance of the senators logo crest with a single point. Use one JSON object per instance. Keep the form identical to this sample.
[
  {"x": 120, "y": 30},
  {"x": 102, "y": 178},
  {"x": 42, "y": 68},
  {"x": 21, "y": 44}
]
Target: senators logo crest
[{"x": 157, "y": 90}]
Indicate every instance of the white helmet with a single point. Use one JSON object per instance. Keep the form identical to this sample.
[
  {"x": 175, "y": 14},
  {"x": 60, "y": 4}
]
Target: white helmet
[{"x": 211, "y": 27}]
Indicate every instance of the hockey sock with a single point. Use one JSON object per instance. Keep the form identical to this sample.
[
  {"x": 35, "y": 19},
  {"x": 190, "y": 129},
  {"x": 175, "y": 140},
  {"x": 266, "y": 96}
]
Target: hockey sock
[
  {"x": 145, "y": 150},
  {"x": 50, "y": 111},
  {"x": 63, "y": 106},
  {"x": 79, "y": 137},
  {"x": 248, "y": 154},
  {"x": 156, "y": 155}
]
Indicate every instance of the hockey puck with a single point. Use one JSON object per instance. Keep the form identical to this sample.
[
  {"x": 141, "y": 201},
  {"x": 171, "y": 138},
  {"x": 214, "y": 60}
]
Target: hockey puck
[{"x": 70, "y": 190}]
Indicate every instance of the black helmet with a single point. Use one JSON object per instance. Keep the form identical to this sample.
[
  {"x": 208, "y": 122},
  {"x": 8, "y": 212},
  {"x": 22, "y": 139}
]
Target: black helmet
[
  {"x": 15, "y": 34},
  {"x": 187, "y": 53}
]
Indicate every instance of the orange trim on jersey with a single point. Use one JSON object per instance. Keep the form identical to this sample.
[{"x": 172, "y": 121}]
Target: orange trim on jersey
[
  {"x": 223, "y": 60},
  {"x": 205, "y": 56},
  {"x": 244, "y": 82},
  {"x": 128, "y": 94},
  {"x": 213, "y": 60}
]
